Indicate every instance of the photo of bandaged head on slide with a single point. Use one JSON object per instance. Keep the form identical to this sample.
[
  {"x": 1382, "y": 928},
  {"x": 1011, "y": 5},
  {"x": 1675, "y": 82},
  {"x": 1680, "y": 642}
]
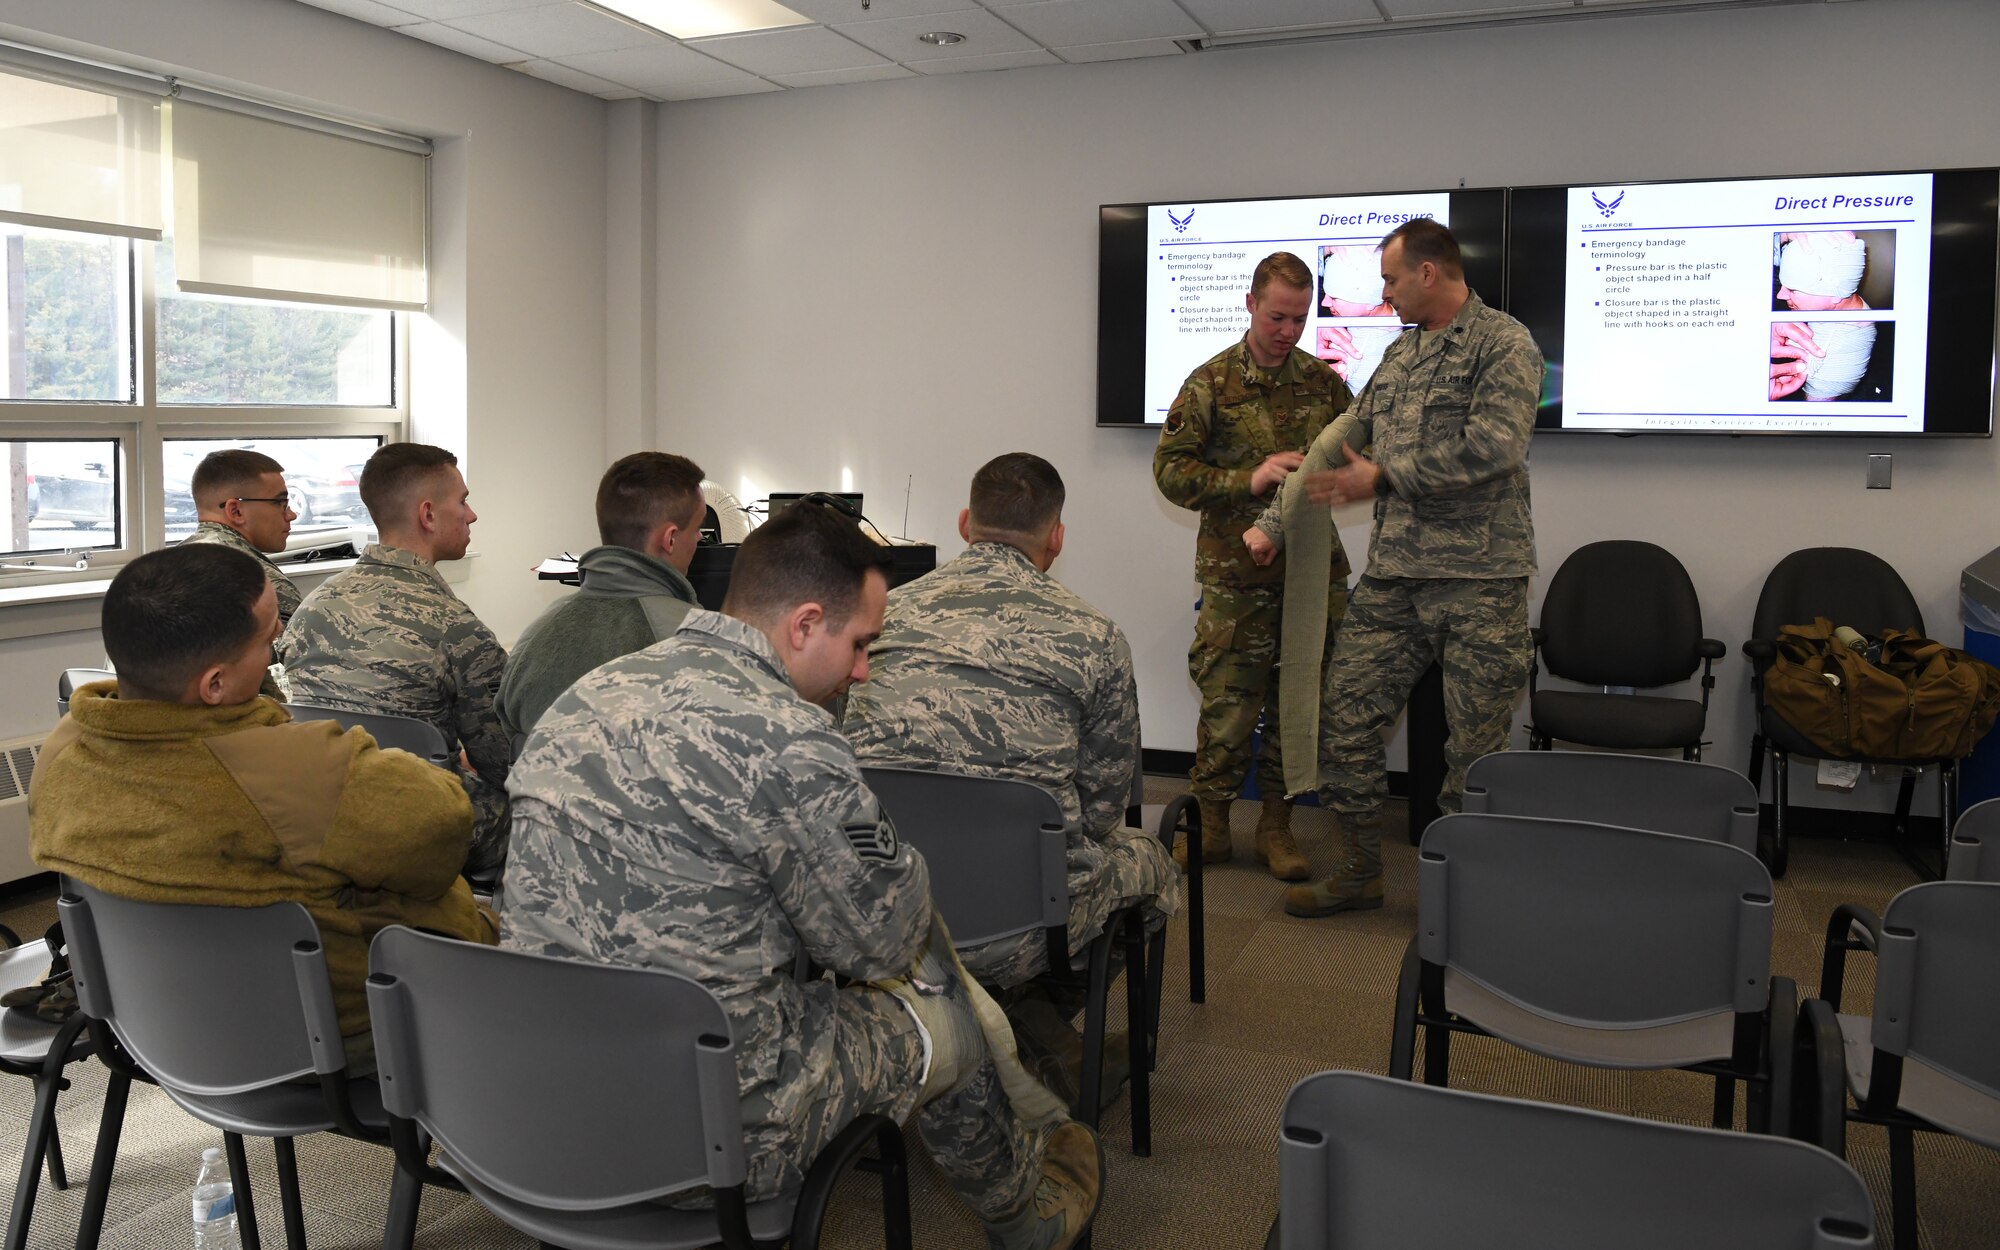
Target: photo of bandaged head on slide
[
  {"x": 1350, "y": 285},
  {"x": 1827, "y": 360},
  {"x": 1833, "y": 270}
]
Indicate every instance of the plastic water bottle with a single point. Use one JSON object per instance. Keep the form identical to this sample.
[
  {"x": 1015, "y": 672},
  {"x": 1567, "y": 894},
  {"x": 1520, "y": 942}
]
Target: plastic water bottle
[{"x": 214, "y": 1204}]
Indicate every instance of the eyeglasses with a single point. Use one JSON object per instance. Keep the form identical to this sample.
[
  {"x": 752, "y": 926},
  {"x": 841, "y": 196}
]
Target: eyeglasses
[{"x": 283, "y": 501}]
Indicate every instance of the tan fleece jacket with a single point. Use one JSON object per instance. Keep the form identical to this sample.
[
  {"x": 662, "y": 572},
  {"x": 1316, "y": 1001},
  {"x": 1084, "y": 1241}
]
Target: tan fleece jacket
[{"x": 239, "y": 806}]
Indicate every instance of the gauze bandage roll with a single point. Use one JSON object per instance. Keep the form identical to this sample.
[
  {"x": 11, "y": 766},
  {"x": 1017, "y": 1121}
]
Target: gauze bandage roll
[
  {"x": 1847, "y": 344},
  {"x": 1369, "y": 342},
  {"x": 1353, "y": 274},
  {"x": 1829, "y": 265}
]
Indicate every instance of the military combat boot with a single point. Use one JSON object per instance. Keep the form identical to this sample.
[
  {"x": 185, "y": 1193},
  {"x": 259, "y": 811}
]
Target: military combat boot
[
  {"x": 1275, "y": 848},
  {"x": 1357, "y": 886},
  {"x": 1215, "y": 847},
  {"x": 1065, "y": 1198}
]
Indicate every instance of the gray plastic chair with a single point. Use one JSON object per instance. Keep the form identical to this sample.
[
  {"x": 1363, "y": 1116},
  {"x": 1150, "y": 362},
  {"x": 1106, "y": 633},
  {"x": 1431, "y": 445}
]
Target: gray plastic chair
[
  {"x": 401, "y": 733},
  {"x": 1365, "y": 1161},
  {"x": 1616, "y": 948},
  {"x": 1631, "y": 791},
  {"x": 996, "y": 849},
  {"x": 229, "y": 1011},
  {"x": 1179, "y": 815},
  {"x": 1975, "y": 843},
  {"x": 1928, "y": 1056},
  {"x": 37, "y": 1050},
  {"x": 577, "y": 1127},
  {"x": 71, "y": 679}
]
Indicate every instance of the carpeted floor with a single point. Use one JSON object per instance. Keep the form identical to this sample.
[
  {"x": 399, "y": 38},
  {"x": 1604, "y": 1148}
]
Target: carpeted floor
[{"x": 1286, "y": 998}]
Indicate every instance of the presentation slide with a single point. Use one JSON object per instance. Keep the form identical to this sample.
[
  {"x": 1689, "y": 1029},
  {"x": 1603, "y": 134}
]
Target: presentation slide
[
  {"x": 1199, "y": 260},
  {"x": 1773, "y": 305}
]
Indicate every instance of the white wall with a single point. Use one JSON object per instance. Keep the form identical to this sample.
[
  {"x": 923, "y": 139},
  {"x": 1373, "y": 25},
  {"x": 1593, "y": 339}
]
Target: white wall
[
  {"x": 900, "y": 278},
  {"x": 510, "y": 366}
]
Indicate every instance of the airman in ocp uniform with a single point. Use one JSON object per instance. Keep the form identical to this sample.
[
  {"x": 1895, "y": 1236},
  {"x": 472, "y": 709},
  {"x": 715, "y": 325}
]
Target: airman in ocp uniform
[{"x": 1238, "y": 428}]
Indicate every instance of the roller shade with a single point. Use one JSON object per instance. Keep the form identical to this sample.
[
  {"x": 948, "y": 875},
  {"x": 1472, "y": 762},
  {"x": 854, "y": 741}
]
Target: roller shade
[
  {"x": 78, "y": 157},
  {"x": 275, "y": 211}
]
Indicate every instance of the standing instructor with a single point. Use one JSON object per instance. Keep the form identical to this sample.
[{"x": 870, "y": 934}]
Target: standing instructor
[{"x": 1239, "y": 427}]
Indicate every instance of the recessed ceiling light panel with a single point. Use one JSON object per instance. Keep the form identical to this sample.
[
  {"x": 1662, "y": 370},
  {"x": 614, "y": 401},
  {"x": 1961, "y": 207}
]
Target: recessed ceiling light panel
[
  {"x": 698, "y": 19},
  {"x": 941, "y": 38}
]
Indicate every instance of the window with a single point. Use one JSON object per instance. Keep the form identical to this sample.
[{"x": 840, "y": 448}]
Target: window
[{"x": 119, "y": 371}]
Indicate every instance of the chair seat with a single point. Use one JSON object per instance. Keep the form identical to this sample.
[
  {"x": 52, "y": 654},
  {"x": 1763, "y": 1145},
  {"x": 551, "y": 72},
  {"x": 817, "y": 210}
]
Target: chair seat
[
  {"x": 1926, "y": 1092},
  {"x": 1778, "y": 732},
  {"x": 639, "y": 1226},
  {"x": 1704, "y": 1039},
  {"x": 283, "y": 1110},
  {"x": 1621, "y": 721},
  {"x": 24, "y": 1040}
]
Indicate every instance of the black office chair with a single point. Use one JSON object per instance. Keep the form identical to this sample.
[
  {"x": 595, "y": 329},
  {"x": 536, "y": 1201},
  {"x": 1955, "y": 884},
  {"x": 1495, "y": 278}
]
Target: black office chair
[
  {"x": 1621, "y": 615},
  {"x": 1848, "y": 587}
]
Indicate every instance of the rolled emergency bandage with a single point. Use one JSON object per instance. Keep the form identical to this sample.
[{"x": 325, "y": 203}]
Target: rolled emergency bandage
[
  {"x": 1848, "y": 345},
  {"x": 1830, "y": 265},
  {"x": 1353, "y": 274}
]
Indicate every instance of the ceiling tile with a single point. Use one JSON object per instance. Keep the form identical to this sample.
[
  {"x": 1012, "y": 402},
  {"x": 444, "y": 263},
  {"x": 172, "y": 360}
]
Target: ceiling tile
[
  {"x": 1071, "y": 22},
  {"x": 1468, "y": 8},
  {"x": 560, "y": 30},
  {"x": 365, "y": 10},
  {"x": 564, "y": 76},
  {"x": 996, "y": 60},
  {"x": 451, "y": 10},
  {"x": 458, "y": 41},
  {"x": 710, "y": 90},
  {"x": 1126, "y": 51},
  {"x": 800, "y": 50},
  {"x": 656, "y": 71},
  {"x": 896, "y": 38},
  {"x": 1225, "y": 17},
  {"x": 841, "y": 12},
  {"x": 834, "y": 77}
]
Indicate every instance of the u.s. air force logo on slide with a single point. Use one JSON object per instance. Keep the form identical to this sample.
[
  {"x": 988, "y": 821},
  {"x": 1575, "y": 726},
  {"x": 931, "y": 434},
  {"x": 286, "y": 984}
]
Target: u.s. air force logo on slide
[{"x": 872, "y": 839}]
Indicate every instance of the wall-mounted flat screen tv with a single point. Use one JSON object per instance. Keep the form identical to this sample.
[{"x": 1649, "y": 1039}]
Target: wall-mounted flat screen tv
[
  {"x": 1847, "y": 304},
  {"x": 1172, "y": 278}
]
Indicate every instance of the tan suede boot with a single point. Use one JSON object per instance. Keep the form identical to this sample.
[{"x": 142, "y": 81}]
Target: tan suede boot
[
  {"x": 1215, "y": 844},
  {"x": 1275, "y": 848},
  {"x": 1358, "y": 884},
  {"x": 1065, "y": 1198}
]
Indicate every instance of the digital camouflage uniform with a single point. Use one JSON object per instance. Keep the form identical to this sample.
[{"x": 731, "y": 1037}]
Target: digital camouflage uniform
[
  {"x": 682, "y": 807},
  {"x": 288, "y": 592},
  {"x": 1448, "y": 563},
  {"x": 989, "y": 666},
  {"x": 1229, "y": 416},
  {"x": 221, "y": 535},
  {"x": 389, "y": 636}
]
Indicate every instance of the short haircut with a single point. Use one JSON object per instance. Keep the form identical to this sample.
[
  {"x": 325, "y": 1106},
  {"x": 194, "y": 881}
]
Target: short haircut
[
  {"x": 394, "y": 473},
  {"x": 1285, "y": 268},
  {"x": 224, "y": 475},
  {"x": 1425, "y": 240},
  {"x": 1018, "y": 493},
  {"x": 809, "y": 553},
  {"x": 170, "y": 614},
  {"x": 642, "y": 492}
]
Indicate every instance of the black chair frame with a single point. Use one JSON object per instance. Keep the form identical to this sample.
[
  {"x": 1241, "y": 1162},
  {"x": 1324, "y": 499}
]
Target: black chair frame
[{"x": 43, "y": 1145}]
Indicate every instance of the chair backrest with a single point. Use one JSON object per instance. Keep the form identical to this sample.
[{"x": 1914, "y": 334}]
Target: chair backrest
[
  {"x": 1367, "y": 1161},
  {"x": 1975, "y": 843},
  {"x": 71, "y": 679},
  {"x": 1937, "y": 981},
  {"x": 1621, "y": 613},
  {"x": 1844, "y": 584},
  {"x": 557, "y": 1082},
  {"x": 996, "y": 848},
  {"x": 1633, "y": 791},
  {"x": 208, "y": 1000},
  {"x": 402, "y": 733},
  {"x": 1595, "y": 925}
]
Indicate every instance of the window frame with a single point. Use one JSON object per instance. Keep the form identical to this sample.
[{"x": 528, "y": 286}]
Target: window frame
[{"x": 143, "y": 426}]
